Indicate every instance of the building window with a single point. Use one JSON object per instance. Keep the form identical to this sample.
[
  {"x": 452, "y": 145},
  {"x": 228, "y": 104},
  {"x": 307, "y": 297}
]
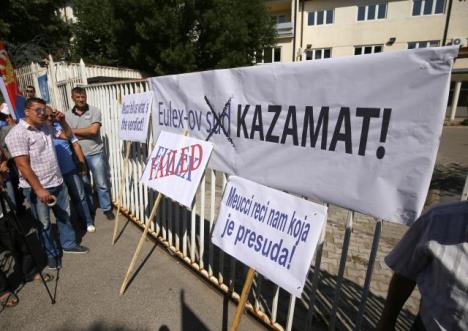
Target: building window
[
  {"x": 423, "y": 44},
  {"x": 369, "y": 49},
  {"x": 278, "y": 19},
  {"x": 317, "y": 54},
  {"x": 269, "y": 55},
  {"x": 372, "y": 12},
  {"x": 428, "y": 7},
  {"x": 320, "y": 17}
]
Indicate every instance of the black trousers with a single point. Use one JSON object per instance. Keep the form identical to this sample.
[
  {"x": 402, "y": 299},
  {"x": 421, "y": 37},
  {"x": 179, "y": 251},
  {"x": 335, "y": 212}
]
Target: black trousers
[
  {"x": 418, "y": 324},
  {"x": 13, "y": 241}
]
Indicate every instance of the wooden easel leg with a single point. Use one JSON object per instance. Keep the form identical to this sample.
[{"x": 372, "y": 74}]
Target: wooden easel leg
[
  {"x": 121, "y": 191},
  {"x": 243, "y": 299},
  {"x": 140, "y": 243}
]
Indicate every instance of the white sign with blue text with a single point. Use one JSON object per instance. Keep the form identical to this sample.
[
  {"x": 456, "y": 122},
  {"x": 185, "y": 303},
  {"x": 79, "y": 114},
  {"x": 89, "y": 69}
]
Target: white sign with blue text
[
  {"x": 273, "y": 232},
  {"x": 176, "y": 165},
  {"x": 134, "y": 116}
]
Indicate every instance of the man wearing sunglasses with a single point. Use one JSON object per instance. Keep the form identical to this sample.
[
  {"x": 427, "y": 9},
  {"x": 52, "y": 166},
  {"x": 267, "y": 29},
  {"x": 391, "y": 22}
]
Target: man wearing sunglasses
[
  {"x": 73, "y": 167},
  {"x": 31, "y": 146}
]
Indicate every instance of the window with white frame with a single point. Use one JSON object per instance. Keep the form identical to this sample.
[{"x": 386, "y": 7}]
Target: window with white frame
[
  {"x": 372, "y": 12},
  {"x": 320, "y": 17},
  {"x": 428, "y": 7},
  {"x": 317, "y": 54},
  {"x": 269, "y": 55},
  {"x": 423, "y": 44},
  {"x": 368, "y": 49}
]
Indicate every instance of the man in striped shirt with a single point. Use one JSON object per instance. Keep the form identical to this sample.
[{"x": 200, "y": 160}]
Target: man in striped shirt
[{"x": 433, "y": 254}]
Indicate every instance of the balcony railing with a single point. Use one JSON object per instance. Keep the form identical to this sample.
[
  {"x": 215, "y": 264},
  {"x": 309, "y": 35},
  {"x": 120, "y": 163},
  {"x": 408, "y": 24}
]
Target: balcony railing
[{"x": 284, "y": 29}]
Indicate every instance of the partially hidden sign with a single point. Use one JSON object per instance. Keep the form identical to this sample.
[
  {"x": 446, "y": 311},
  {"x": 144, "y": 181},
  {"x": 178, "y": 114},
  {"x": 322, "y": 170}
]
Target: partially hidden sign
[
  {"x": 273, "y": 232},
  {"x": 134, "y": 116},
  {"x": 176, "y": 165}
]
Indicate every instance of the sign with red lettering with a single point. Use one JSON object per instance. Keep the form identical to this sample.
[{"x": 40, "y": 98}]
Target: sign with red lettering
[{"x": 176, "y": 165}]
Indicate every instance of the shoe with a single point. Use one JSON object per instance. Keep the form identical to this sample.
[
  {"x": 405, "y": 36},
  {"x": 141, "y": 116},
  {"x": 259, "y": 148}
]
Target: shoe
[
  {"x": 109, "y": 215},
  {"x": 54, "y": 264},
  {"x": 78, "y": 249},
  {"x": 90, "y": 228}
]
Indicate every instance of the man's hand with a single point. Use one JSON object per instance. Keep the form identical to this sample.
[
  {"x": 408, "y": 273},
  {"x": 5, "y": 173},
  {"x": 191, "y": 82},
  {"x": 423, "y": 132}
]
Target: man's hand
[
  {"x": 43, "y": 195},
  {"x": 82, "y": 169},
  {"x": 4, "y": 170},
  {"x": 59, "y": 117}
]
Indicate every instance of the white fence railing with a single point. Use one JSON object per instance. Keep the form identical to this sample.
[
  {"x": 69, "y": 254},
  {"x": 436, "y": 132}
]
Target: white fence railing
[
  {"x": 328, "y": 299},
  {"x": 62, "y": 77}
]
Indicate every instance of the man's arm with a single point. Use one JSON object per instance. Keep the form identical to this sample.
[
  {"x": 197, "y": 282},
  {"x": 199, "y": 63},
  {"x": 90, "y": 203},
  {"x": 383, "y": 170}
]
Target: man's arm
[
  {"x": 81, "y": 158},
  {"x": 399, "y": 290},
  {"x": 89, "y": 131},
  {"x": 24, "y": 166}
]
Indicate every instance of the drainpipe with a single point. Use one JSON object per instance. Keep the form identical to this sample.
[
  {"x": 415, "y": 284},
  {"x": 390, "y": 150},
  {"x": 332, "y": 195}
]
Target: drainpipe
[
  {"x": 447, "y": 21},
  {"x": 294, "y": 32},
  {"x": 302, "y": 22}
]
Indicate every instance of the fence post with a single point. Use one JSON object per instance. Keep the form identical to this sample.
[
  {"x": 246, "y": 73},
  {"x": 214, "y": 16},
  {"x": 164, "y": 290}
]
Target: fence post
[
  {"x": 84, "y": 79},
  {"x": 34, "y": 74},
  {"x": 53, "y": 84}
]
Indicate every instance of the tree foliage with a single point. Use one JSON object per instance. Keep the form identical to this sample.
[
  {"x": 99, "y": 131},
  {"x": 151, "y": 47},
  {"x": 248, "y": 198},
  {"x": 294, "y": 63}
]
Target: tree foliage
[
  {"x": 32, "y": 29},
  {"x": 172, "y": 36}
]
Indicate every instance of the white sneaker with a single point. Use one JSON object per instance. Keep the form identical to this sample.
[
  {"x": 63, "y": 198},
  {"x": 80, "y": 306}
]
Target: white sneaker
[{"x": 90, "y": 228}]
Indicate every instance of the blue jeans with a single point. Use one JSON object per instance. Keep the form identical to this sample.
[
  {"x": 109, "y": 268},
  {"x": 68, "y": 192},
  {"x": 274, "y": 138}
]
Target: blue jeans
[
  {"x": 76, "y": 189},
  {"x": 41, "y": 214},
  {"x": 97, "y": 165}
]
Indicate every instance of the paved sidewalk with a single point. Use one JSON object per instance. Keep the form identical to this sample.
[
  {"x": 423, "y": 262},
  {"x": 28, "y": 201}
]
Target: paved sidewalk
[{"x": 165, "y": 295}]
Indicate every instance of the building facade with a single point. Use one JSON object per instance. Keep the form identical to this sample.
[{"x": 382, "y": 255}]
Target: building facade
[{"x": 318, "y": 29}]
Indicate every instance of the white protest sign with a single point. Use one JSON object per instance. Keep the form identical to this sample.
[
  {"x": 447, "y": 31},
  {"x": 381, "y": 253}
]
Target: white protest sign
[
  {"x": 367, "y": 127},
  {"x": 176, "y": 165},
  {"x": 273, "y": 232},
  {"x": 134, "y": 116}
]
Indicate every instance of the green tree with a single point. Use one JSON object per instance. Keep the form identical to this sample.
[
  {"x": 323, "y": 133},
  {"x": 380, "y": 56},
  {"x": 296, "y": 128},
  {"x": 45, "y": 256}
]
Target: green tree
[
  {"x": 172, "y": 36},
  {"x": 32, "y": 29},
  {"x": 94, "y": 32}
]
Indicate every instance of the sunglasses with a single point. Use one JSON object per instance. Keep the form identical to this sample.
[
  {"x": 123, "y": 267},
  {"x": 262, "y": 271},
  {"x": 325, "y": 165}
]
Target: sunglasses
[{"x": 40, "y": 111}]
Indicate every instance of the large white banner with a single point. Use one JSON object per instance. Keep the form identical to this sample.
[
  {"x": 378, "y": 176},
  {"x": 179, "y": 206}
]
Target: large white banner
[
  {"x": 134, "y": 116},
  {"x": 176, "y": 165},
  {"x": 361, "y": 132},
  {"x": 273, "y": 232}
]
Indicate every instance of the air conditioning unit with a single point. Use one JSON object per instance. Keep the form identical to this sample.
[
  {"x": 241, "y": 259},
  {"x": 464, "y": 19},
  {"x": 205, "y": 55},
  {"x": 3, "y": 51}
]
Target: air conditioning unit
[{"x": 459, "y": 41}]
